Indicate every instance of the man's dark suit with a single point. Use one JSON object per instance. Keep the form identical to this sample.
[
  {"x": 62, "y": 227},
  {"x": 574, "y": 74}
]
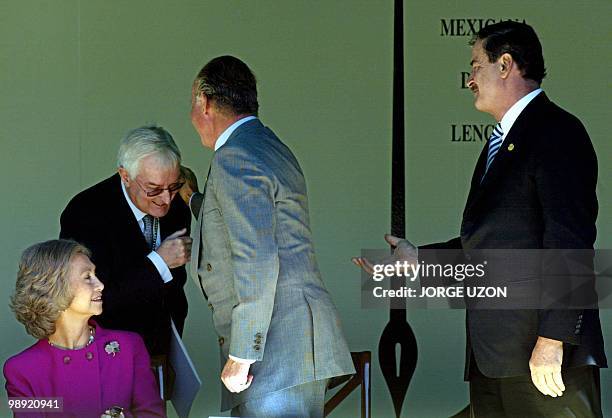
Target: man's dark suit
[
  {"x": 538, "y": 193},
  {"x": 135, "y": 296}
]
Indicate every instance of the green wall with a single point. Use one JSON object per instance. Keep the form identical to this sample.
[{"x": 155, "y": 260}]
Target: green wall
[{"x": 76, "y": 75}]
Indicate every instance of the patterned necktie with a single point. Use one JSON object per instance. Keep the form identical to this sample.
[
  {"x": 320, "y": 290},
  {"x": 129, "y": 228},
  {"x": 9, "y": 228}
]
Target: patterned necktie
[
  {"x": 149, "y": 233},
  {"x": 495, "y": 141}
]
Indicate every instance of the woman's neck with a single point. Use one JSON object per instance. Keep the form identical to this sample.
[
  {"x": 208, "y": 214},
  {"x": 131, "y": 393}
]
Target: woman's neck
[{"x": 70, "y": 333}]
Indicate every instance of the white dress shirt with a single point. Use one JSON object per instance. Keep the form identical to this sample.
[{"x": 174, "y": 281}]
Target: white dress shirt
[
  {"x": 230, "y": 130},
  {"x": 155, "y": 258},
  {"x": 513, "y": 113}
]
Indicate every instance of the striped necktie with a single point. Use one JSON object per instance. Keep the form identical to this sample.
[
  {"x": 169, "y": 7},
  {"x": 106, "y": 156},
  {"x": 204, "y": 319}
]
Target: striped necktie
[
  {"x": 495, "y": 141},
  {"x": 150, "y": 231}
]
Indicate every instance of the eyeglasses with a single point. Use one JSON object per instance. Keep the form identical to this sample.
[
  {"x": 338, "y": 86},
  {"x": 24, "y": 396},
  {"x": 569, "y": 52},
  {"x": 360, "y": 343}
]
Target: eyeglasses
[{"x": 173, "y": 188}]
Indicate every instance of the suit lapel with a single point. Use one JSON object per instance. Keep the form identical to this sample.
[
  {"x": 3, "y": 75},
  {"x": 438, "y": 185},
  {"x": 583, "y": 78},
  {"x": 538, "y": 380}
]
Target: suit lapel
[
  {"x": 168, "y": 224},
  {"x": 477, "y": 176},
  {"x": 501, "y": 160},
  {"x": 127, "y": 226},
  {"x": 195, "y": 248},
  {"x": 510, "y": 147},
  {"x": 197, "y": 235}
]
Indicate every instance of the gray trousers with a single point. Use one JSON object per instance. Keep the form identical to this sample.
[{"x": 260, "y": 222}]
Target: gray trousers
[{"x": 301, "y": 401}]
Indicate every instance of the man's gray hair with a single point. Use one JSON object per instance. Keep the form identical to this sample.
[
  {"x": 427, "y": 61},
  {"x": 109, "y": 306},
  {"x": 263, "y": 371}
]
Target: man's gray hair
[{"x": 143, "y": 142}]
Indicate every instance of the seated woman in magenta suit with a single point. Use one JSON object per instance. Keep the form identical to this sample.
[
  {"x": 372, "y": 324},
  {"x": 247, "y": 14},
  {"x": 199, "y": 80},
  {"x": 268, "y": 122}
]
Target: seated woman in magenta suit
[{"x": 93, "y": 369}]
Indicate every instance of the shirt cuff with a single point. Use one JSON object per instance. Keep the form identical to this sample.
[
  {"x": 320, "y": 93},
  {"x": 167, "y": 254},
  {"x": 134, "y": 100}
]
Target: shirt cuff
[
  {"x": 240, "y": 360},
  {"x": 161, "y": 266}
]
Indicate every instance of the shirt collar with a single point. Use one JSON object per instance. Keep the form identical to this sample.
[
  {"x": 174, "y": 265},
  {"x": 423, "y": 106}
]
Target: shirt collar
[
  {"x": 137, "y": 212},
  {"x": 513, "y": 113},
  {"x": 226, "y": 134}
]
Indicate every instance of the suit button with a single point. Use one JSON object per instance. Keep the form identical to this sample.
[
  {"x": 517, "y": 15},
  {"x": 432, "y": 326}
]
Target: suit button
[
  {"x": 221, "y": 340},
  {"x": 256, "y": 347},
  {"x": 211, "y": 307},
  {"x": 258, "y": 335},
  {"x": 67, "y": 360},
  {"x": 89, "y": 356},
  {"x": 208, "y": 267}
]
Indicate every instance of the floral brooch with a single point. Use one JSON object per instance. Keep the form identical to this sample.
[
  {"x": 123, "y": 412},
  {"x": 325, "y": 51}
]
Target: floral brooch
[
  {"x": 112, "y": 348},
  {"x": 114, "y": 412}
]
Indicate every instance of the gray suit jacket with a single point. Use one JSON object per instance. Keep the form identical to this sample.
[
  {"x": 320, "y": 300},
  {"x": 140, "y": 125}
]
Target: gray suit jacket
[{"x": 255, "y": 261}]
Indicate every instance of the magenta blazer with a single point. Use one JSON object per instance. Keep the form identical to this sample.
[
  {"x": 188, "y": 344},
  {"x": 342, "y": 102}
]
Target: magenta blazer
[{"x": 90, "y": 380}]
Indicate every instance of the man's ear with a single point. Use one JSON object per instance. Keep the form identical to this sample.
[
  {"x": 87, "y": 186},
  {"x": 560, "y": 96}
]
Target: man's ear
[
  {"x": 205, "y": 103},
  {"x": 506, "y": 64},
  {"x": 125, "y": 178}
]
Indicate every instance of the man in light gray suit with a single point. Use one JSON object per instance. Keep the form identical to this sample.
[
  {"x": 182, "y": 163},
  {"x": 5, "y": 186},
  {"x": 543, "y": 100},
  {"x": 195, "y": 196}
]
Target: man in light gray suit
[{"x": 279, "y": 332}]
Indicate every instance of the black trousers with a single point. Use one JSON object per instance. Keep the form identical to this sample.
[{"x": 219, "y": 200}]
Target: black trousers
[{"x": 513, "y": 397}]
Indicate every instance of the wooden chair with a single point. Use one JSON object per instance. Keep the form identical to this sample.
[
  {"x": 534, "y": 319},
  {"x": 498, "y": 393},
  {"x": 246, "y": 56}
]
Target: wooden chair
[
  {"x": 164, "y": 374},
  {"x": 362, "y": 377}
]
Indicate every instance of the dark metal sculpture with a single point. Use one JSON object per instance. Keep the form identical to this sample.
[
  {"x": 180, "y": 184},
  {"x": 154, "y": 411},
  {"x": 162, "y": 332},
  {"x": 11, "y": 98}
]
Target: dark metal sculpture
[{"x": 397, "y": 332}]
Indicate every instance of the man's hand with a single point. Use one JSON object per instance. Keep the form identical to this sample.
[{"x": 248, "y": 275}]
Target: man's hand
[
  {"x": 404, "y": 251},
  {"x": 191, "y": 184},
  {"x": 235, "y": 376},
  {"x": 176, "y": 249},
  {"x": 545, "y": 365}
]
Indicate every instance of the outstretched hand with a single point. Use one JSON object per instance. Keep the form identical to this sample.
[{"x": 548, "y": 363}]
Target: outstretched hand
[{"x": 404, "y": 251}]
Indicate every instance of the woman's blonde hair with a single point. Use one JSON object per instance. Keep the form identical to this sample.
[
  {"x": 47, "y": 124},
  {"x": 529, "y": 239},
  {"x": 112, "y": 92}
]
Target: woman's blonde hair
[{"x": 42, "y": 290}]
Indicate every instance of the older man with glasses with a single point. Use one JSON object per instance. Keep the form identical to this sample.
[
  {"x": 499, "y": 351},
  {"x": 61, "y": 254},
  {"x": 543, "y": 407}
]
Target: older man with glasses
[{"x": 139, "y": 237}]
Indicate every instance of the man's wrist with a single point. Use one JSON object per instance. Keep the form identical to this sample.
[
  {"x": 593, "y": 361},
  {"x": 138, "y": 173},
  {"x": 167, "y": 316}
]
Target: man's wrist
[
  {"x": 241, "y": 360},
  {"x": 161, "y": 266},
  {"x": 549, "y": 341}
]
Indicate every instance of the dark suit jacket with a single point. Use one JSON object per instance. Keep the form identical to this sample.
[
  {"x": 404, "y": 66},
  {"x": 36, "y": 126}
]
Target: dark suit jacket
[
  {"x": 135, "y": 296},
  {"x": 539, "y": 193}
]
